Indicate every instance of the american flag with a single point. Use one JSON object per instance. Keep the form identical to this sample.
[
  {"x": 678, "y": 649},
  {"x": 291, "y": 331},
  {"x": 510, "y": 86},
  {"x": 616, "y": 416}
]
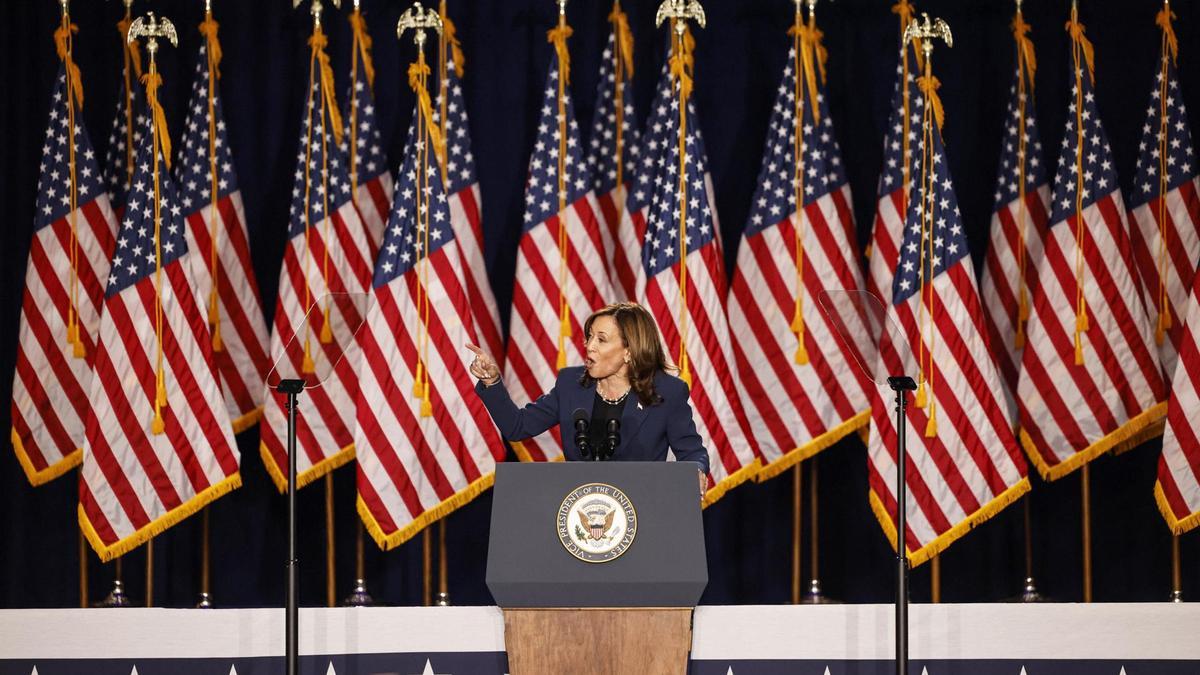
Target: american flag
[
  {"x": 369, "y": 173},
  {"x": 894, "y": 182},
  {"x": 135, "y": 482},
  {"x": 796, "y": 409},
  {"x": 966, "y": 466},
  {"x": 413, "y": 467},
  {"x": 234, "y": 311},
  {"x": 692, "y": 316},
  {"x": 465, "y": 212},
  {"x": 1011, "y": 264},
  {"x": 1178, "y": 487},
  {"x": 613, "y": 132},
  {"x": 535, "y": 335},
  {"x": 1164, "y": 212},
  {"x": 328, "y": 252},
  {"x": 1090, "y": 375},
  {"x": 52, "y": 376}
]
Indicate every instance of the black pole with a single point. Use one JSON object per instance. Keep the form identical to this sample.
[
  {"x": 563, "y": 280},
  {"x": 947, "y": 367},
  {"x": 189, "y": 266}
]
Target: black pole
[
  {"x": 901, "y": 384},
  {"x": 292, "y": 647}
]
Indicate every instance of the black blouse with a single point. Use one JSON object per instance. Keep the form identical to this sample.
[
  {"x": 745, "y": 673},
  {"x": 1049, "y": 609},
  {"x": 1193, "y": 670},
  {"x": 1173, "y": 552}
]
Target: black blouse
[{"x": 602, "y": 412}]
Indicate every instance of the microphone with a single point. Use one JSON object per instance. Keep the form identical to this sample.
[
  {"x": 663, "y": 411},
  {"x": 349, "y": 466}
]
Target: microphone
[
  {"x": 581, "y": 432},
  {"x": 612, "y": 438}
]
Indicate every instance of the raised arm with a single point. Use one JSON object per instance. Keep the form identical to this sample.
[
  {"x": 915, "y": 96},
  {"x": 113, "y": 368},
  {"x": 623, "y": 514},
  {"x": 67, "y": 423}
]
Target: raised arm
[{"x": 515, "y": 424}]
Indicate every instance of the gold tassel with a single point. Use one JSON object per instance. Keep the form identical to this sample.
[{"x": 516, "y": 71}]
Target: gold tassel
[
  {"x": 73, "y": 334},
  {"x": 418, "y": 388},
  {"x": 448, "y": 34},
  {"x": 218, "y": 345},
  {"x": 208, "y": 28},
  {"x": 561, "y": 361},
  {"x": 1076, "y": 30},
  {"x": 78, "y": 350},
  {"x": 161, "y": 394},
  {"x": 931, "y": 425},
  {"x": 1019, "y": 340},
  {"x": 685, "y": 368},
  {"x": 929, "y": 86},
  {"x": 624, "y": 37},
  {"x": 358, "y": 26},
  {"x": 426, "y": 402},
  {"x": 327, "y": 329},
  {"x": 920, "y": 402},
  {"x": 801, "y": 351},
  {"x": 157, "y": 425},
  {"x": 1163, "y": 19},
  {"x": 1078, "y": 349},
  {"x": 307, "y": 367},
  {"x": 153, "y": 81},
  {"x": 61, "y": 36},
  {"x": 558, "y": 37},
  {"x": 1027, "y": 64},
  {"x": 318, "y": 42}
]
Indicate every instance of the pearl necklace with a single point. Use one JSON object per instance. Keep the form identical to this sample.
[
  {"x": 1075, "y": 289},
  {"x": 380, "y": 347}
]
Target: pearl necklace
[{"x": 617, "y": 401}]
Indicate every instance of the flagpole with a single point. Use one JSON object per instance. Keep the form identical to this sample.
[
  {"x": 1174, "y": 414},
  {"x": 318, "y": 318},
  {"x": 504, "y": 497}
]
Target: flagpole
[
  {"x": 330, "y": 542},
  {"x": 1085, "y": 484},
  {"x": 83, "y": 571},
  {"x": 443, "y": 596},
  {"x": 150, "y": 562},
  {"x": 796, "y": 519},
  {"x": 205, "y": 601},
  {"x": 429, "y": 138},
  {"x": 1176, "y": 571}
]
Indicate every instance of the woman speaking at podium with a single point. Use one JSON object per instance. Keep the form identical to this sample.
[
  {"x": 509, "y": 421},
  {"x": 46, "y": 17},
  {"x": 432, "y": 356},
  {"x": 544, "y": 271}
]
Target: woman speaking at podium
[{"x": 622, "y": 404}]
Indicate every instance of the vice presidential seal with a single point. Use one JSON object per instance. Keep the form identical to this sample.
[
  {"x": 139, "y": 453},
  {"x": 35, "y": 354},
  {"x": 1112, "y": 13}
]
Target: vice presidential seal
[{"x": 596, "y": 523}]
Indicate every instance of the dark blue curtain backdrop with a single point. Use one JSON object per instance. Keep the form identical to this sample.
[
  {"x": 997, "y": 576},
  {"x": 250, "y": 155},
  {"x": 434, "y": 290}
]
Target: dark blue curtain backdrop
[{"x": 739, "y": 60}]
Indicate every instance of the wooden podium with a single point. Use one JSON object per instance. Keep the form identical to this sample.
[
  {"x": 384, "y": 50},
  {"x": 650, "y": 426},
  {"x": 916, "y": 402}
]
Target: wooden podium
[{"x": 569, "y": 609}]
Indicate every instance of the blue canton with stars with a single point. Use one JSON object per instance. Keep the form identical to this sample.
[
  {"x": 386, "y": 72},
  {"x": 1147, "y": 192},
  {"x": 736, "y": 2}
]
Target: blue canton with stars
[
  {"x": 650, "y": 144},
  {"x": 460, "y": 163},
  {"x": 369, "y": 157},
  {"x": 660, "y": 251},
  {"x": 946, "y": 232},
  {"x": 1181, "y": 161},
  {"x": 541, "y": 192},
  {"x": 134, "y": 255},
  {"x": 403, "y": 239},
  {"x": 1008, "y": 176},
  {"x": 339, "y": 170},
  {"x": 602, "y": 150},
  {"x": 54, "y": 181},
  {"x": 1099, "y": 170},
  {"x": 193, "y": 171},
  {"x": 775, "y": 197},
  {"x": 892, "y": 176},
  {"x": 115, "y": 158}
]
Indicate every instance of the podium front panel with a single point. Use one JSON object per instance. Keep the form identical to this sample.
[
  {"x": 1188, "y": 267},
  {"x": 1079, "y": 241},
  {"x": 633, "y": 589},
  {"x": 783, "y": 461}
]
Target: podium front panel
[{"x": 663, "y": 566}]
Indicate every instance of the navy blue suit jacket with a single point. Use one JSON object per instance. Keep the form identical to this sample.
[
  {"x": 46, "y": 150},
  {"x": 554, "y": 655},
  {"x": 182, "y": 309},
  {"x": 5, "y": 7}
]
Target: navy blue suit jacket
[{"x": 646, "y": 430}]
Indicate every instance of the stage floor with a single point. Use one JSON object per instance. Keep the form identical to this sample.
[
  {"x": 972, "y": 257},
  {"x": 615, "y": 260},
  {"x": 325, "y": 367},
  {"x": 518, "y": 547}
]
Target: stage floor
[{"x": 992, "y": 639}]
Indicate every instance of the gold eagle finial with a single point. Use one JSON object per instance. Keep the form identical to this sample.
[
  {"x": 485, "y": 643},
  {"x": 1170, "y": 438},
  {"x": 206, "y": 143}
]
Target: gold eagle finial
[
  {"x": 419, "y": 20},
  {"x": 152, "y": 27},
  {"x": 926, "y": 30},
  {"x": 682, "y": 11}
]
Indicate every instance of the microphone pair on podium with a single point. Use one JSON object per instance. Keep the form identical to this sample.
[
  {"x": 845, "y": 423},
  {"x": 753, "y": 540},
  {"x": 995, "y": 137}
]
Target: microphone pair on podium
[{"x": 612, "y": 437}]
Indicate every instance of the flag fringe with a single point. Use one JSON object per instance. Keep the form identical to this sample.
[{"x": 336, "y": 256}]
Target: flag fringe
[
  {"x": 36, "y": 477},
  {"x": 524, "y": 455},
  {"x": 107, "y": 552},
  {"x": 1144, "y": 426},
  {"x": 814, "y": 447},
  {"x": 247, "y": 420},
  {"x": 308, "y": 475},
  {"x": 1178, "y": 526},
  {"x": 943, "y": 541},
  {"x": 729, "y": 482},
  {"x": 387, "y": 542}
]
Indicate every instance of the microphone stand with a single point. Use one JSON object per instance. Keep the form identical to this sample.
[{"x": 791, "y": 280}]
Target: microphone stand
[
  {"x": 292, "y": 389},
  {"x": 901, "y": 384}
]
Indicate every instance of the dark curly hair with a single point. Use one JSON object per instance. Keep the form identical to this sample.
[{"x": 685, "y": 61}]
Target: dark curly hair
[{"x": 639, "y": 334}]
